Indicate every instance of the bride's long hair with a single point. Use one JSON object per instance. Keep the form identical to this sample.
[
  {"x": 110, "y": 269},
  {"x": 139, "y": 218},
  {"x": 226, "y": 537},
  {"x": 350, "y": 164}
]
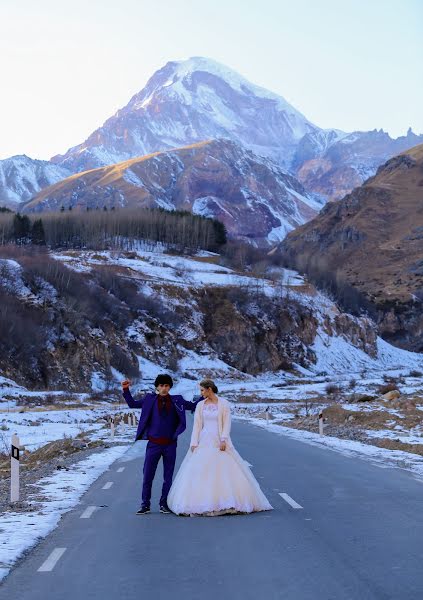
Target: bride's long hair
[{"x": 209, "y": 383}]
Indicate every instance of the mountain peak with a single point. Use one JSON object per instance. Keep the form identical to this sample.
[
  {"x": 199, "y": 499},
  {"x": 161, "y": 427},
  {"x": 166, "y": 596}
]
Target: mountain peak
[{"x": 182, "y": 80}]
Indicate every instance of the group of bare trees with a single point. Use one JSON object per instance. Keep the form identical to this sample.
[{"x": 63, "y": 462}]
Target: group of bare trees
[{"x": 118, "y": 229}]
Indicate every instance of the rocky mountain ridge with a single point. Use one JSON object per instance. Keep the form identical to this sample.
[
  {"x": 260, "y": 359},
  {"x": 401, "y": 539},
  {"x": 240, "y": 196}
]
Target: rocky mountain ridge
[{"x": 255, "y": 199}]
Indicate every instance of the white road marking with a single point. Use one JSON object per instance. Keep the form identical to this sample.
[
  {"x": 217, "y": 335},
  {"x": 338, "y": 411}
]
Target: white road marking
[
  {"x": 88, "y": 512},
  {"x": 50, "y": 563},
  {"x": 120, "y": 469},
  {"x": 290, "y": 501},
  {"x": 247, "y": 463},
  {"x": 107, "y": 485}
]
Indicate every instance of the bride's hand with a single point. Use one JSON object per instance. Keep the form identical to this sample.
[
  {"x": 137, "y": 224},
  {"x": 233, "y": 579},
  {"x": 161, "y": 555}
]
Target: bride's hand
[
  {"x": 193, "y": 448},
  {"x": 223, "y": 445}
]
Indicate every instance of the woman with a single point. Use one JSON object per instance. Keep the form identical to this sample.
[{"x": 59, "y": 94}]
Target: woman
[{"x": 213, "y": 479}]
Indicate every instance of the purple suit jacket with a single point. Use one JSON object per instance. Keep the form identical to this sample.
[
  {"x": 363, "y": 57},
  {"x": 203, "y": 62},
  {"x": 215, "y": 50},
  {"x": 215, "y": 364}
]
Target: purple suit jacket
[{"x": 146, "y": 403}]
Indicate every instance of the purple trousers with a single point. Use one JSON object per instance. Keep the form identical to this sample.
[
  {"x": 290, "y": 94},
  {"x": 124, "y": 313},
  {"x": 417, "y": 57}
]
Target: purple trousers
[{"x": 153, "y": 454}]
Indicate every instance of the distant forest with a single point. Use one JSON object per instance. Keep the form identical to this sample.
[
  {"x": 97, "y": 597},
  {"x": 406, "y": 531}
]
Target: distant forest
[{"x": 112, "y": 229}]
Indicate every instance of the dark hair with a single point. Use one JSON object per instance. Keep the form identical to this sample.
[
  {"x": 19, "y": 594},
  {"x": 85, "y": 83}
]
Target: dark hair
[
  {"x": 209, "y": 383},
  {"x": 163, "y": 379}
]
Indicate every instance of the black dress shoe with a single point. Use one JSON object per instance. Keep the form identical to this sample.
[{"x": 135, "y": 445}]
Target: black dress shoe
[
  {"x": 165, "y": 509},
  {"x": 143, "y": 510}
]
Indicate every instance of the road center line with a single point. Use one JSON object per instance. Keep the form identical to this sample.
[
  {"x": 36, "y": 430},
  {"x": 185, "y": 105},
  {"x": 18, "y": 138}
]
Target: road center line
[
  {"x": 290, "y": 501},
  {"x": 88, "y": 512},
  {"x": 107, "y": 485},
  {"x": 120, "y": 469},
  {"x": 50, "y": 562}
]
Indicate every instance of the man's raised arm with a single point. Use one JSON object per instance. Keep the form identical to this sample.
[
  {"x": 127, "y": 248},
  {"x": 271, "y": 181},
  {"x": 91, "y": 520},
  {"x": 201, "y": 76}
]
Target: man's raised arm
[{"x": 128, "y": 396}]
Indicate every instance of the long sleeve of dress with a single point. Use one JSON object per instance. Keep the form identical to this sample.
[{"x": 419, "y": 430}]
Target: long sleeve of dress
[
  {"x": 196, "y": 429},
  {"x": 226, "y": 429}
]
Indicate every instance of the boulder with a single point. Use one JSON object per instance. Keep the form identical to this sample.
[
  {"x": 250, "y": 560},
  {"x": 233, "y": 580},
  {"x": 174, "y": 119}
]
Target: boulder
[{"x": 392, "y": 395}]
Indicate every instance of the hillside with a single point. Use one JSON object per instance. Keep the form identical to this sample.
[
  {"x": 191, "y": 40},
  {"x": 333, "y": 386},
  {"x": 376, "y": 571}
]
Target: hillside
[
  {"x": 82, "y": 320},
  {"x": 369, "y": 248}
]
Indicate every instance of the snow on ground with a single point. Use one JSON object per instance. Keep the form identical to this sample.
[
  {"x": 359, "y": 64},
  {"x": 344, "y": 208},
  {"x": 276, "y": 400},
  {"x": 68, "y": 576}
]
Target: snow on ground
[
  {"x": 378, "y": 456},
  {"x": 63, "y": 489},
  {"x": 336, "y": 355},
  {"x": 37, "y": 428}
]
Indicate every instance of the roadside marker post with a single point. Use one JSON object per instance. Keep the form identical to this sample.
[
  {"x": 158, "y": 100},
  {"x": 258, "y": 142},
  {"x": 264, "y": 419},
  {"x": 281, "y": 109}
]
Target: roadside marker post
[
  {"x": 320, "y": 423},
  {"x": 14, "y": 469}
]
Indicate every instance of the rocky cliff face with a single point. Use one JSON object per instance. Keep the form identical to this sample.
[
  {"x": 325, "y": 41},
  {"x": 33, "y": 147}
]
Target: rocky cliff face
[
  {"x": 255, "y": 199},
  {"x": 369, "y": 248}
]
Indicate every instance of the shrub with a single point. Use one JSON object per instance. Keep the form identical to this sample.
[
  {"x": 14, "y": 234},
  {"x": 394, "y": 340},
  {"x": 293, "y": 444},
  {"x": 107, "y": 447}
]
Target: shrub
[
  {"x": 332, "y": 389},
  {"x": 389, "y": 387}
]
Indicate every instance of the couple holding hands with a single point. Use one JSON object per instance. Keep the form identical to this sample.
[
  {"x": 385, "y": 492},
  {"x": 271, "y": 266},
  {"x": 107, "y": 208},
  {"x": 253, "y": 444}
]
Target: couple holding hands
[{"x": 213, "y": 479}]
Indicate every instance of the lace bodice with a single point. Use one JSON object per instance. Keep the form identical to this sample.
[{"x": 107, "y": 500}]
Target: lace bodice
[{"x": 210, "y": 431}]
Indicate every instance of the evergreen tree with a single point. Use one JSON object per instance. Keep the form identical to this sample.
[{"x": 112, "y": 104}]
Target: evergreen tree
[
  {"x": 38, "y": 236},
  {"x": 220, "y": 233},
  {"x": 21, "y": 229}
]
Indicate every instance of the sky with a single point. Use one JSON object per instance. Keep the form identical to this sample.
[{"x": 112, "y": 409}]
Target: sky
[{"x": 68, "y": 66}]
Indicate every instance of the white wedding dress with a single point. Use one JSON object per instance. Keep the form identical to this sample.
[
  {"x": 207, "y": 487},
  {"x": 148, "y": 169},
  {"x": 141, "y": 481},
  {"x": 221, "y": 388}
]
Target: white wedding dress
[{"x": 213, "y": 482}]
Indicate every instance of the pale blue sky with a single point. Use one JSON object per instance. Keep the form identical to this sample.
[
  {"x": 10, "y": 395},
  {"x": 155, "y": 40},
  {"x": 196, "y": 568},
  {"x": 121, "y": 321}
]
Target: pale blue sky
[{"x": 66, "y": 66}]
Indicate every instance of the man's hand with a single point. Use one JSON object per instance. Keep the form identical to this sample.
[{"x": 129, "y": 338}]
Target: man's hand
[
  {"x": 223, "y": 445},
  {"x": 126, "y": 384},
  {"x": 193, "y": 448}
]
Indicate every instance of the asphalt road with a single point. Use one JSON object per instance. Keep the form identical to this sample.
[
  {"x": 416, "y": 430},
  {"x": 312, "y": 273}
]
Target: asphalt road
[{"x": 358, "y": 535}]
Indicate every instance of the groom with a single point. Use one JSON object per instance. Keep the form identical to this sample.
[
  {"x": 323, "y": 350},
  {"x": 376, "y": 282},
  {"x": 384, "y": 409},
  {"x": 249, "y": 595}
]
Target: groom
[{"x": 162, "y": 420}]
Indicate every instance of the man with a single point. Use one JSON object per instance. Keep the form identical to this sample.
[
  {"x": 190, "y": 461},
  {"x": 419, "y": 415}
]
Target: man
[{"x": 162, "y": 420}]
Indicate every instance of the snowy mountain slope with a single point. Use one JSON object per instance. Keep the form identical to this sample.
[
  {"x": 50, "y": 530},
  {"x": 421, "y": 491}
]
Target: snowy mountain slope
[
  {"x": 187, "y": 102},
  {"x": 22, "y": 177}
]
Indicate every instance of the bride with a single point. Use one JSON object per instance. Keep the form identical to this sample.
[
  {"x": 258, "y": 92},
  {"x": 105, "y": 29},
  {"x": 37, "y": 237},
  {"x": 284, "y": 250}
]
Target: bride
[{"x": 213, "y": 478}]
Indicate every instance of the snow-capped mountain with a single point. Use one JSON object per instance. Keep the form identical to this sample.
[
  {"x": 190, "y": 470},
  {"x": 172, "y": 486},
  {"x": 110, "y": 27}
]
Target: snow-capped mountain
[
  {"x": 191, "y": 101},
  {"x": 22, "y": 177},
  {"x": 253, "y": 197},
  {"x": 195, "y": 100}
]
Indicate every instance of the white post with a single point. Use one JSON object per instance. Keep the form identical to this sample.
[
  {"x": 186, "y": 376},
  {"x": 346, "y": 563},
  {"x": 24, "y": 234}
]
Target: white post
[
  {"x": 14, "y": 469},
  {"x": 321, "y": 423},
  {"x": 112, "y": 428},
  {"x": 267, "y": 416}
]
